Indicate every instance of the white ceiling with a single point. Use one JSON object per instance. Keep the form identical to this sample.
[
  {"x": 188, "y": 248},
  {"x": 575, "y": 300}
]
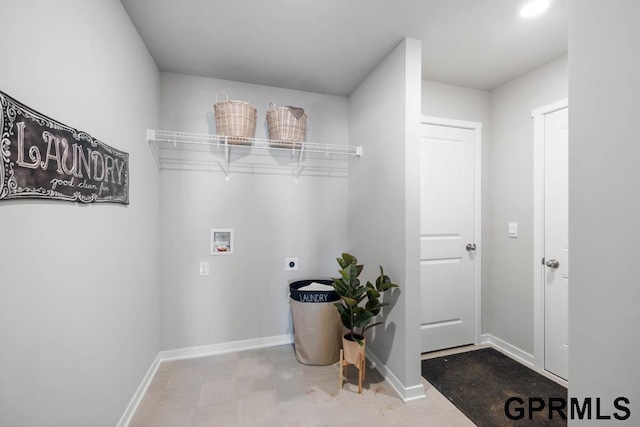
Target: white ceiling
[{"x": 330, "y": 46}]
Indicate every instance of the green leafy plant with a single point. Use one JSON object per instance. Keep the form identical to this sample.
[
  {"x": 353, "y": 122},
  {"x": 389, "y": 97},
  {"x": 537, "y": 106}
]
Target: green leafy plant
[{"x": 356, "y": 315}]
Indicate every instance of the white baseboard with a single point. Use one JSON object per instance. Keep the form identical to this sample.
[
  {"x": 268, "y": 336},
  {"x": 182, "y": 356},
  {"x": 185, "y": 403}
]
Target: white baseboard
[
  {"x": 227, "y": 347},
  {"x": 519, "y": 355},
  {"x": 515, "y": 353},
  {"x": 405, "y": 393},
  {"x": 139, "y": 394},
  {"x": 193, "y": 352}
]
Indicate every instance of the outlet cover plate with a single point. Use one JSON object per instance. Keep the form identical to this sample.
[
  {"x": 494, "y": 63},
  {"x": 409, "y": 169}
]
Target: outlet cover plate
[{"x": 203, "y": 269}]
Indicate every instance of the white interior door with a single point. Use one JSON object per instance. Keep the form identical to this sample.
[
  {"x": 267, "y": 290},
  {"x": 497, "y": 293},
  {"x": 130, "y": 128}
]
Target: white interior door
[
  {"x": 556, "y": 243},
  {"x": 447, "y": 237}
]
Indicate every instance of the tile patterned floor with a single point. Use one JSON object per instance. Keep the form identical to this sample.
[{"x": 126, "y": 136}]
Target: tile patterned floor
[{"x": 268, "y": 387}]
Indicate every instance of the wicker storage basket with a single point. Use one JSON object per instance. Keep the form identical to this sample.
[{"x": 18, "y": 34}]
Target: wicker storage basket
[
  {"x": 285, "y": 129},
  {"x": 235, "y": 119}
]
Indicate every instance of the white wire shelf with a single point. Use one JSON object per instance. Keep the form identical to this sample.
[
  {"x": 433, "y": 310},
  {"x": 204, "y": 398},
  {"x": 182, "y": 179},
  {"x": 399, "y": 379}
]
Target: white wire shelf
[{"x": 194, "y": 151}]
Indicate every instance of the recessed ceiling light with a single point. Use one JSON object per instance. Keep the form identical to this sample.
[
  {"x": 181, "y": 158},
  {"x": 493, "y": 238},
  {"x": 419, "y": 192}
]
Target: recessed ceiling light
[{"x": 534, "y": 8}]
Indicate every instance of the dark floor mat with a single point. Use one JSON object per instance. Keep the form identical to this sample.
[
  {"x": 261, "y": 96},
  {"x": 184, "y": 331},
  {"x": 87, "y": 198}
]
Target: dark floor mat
[{"x": 480, "y": 382}]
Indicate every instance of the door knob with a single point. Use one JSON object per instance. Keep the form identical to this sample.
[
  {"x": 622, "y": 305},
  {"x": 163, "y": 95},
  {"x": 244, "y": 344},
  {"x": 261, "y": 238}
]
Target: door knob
[
  {"x": 471, "y": 247},
  {"x": 552, "y": 263}
]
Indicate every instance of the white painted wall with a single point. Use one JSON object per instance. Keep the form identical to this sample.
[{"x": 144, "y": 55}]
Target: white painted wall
[
  {"x": 79, "y": 291},
  {"x": 384, "y": 116},
  {"x": 507, "y": 298},
  {"x": 455, "y": 102},
  {"x": 604, "y": 148},
  {"x": 246, "y": 295}
]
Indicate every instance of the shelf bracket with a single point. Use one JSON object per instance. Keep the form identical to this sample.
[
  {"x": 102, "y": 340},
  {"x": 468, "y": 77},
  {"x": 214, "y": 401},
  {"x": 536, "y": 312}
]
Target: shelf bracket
[
  {"x": 355, "y": 159},
  {"x": 227, "y": 155},
  {"x": 299, "y": 167},
  {"x": 155, "y": 150},
  {"x": 151, "y": 134}
]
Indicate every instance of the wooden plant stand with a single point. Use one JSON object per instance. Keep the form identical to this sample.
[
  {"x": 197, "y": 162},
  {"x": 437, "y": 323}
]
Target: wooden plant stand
[{"x": 360, "y": 365}]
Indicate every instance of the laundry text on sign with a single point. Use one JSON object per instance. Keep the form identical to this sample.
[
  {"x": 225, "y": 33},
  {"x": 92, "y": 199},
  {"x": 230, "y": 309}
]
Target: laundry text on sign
[{"x": 42, "y": 158}]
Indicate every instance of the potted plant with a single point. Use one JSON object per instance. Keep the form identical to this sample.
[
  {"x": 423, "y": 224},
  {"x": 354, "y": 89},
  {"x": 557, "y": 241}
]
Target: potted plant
[{"x": 357, "y": 316}]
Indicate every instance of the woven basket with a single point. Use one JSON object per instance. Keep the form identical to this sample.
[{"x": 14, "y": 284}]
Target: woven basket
[
  {"x": 285, "y": 129},
  {"x": 235, "y": 119}
]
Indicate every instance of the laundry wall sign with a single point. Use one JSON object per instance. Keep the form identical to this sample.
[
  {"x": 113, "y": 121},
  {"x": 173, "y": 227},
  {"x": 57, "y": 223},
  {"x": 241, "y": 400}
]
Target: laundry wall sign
[{"x": 45, "y": 159}]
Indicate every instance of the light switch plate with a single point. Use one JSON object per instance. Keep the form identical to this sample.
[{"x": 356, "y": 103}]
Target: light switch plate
[
  {"x": 513, "y": 229},
  {"x": 291, "y": 264},
  {"x": 204, "y": 268}
]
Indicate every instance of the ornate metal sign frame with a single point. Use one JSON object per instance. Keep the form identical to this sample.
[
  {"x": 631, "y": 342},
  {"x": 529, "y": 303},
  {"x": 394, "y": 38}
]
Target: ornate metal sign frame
[{"x": 45, "y": 159}]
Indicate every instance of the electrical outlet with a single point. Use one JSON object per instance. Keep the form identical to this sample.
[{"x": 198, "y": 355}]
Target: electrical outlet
[
  {"x": 204, "y": 268},
  {"x": 291, "y": 264}
]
